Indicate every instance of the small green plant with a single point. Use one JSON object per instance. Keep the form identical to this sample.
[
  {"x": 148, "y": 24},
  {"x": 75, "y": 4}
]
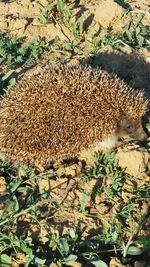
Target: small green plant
[
  {"x": 13, "y": 53},
  {"x": 78, "y": 28},
  {"x": 105, "y": 167},
  {"x": 7, "y": 81},
  {"x": 110, "y": 181},
  {"x": 44, "y": 16},
  {"x": 136, "y": 34},
  {"x": 61, "y": 12},
  {"x": 109, "y": 38},
  {"x": 57, "y": 11}
]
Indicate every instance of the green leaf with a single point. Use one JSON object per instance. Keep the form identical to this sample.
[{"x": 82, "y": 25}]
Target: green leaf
[
  {"x": 8, "y": 75},
  {"x": 12, "y": 82},
  {"x": 37, "y": 261},
  {"x": 9, "y": 207},
  {"x": 45, "y": 239},
  {"x": 5, "y": 259},
  {"x": 127, "y": 26},
  {"x": 70, "y": 258},
  {"x": 26, "y": 249},
  {"x": 44, "y": 17},
  {"x": 15, "y": 203},
  {"x": 56, "y": 234},
  {"x": 68, "y": 46},
  {"x": 138, "y": 29},
  {"x": 72, "y": 233},
  {"x": 23, "y": 189},
  {"x": 132, "y": 250},
  {"x": 60, "y": 6},
  {"x": 85, "y": 195},
  {"x": 129, "y": 34},
  {"x": 140, "y": 40},
  {"x": 68, "y": 14},
  {"x": 99, "y": 263},
  {"x": 144, "y": 31},
  {"x": 140, "y": 17},
  {"x": 79, "y": 25},
  {"x": 64, "y": 247},
  {"x": 14, "y": 185}
]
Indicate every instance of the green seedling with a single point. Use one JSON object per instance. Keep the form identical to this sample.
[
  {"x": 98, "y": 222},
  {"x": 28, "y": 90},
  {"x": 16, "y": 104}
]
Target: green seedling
[
  {"x": 44, "y": 17},
  {"x": 7, "y": 81},
  {"x": 136, "y": 34}
]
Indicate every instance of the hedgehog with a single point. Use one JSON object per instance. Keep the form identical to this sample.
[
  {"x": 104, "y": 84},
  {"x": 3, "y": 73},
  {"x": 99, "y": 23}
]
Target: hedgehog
[{"x": 57, "y": 113}]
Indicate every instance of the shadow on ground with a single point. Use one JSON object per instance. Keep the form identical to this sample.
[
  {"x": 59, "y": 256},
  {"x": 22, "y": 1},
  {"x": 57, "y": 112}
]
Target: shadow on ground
[{"x": 133, "y": 69}]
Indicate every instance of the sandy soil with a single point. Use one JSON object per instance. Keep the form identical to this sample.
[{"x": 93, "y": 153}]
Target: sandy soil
[{"x": 21, "y": 18}]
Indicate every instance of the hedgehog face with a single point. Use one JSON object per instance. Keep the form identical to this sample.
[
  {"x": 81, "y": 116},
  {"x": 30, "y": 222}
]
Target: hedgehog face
[{"x": 129, "y": 129}]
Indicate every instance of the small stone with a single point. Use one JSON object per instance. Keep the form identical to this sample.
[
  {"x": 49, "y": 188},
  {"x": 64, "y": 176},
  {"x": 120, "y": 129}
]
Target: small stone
[
  {"x": 108, "y": 11},
  {"x": 3, "y": 185},
  {"x": 133, "y": 161}
]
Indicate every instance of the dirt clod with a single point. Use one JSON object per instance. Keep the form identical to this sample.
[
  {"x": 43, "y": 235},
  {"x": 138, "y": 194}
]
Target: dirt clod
[
  {"x": 133, "y": 161},
  {"x": 107, "y": 12}
]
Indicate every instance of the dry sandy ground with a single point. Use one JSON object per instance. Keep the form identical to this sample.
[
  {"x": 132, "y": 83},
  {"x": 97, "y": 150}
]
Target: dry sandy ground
[{"x": 21, "y": 18}]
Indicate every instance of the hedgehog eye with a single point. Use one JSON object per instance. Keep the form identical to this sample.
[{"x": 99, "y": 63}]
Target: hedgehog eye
[{"x": 129, "y": 126}]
